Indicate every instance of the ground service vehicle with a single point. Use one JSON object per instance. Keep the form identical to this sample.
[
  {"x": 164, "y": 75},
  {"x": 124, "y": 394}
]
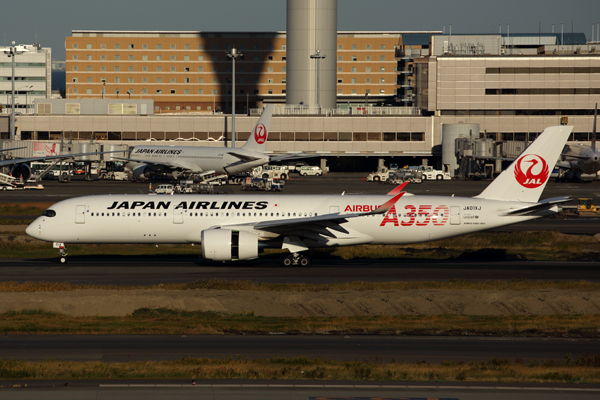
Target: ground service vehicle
[
  {"x": 381, "y": 175},
  {"x": 308, "y": 170},
  {"x": 428, "y": 173},
  {"x": 585, "y": 208},
  {"x": 237, "y": 227}
]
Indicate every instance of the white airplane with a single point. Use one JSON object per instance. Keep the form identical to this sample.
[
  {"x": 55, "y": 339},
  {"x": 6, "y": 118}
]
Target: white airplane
[
  {"x": 582, "y": 159},
  {"x": 147, "y": 161},
  {"x": 237, "y": 227}
]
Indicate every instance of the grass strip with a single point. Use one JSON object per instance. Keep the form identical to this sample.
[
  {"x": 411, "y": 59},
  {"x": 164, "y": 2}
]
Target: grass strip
[
  {"x": 172, "y": 322},
  {"x": 543, "y": 246},
  {"x": 359, "y": 286},
  {"x": 584, "y": 369}
]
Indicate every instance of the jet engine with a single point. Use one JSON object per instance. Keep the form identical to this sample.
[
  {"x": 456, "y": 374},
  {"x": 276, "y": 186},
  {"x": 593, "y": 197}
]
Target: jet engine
[
  {"x": 142, "y": 171},
  {"x": 21, "y": 170},
  {"x": 227, "y": 245}
]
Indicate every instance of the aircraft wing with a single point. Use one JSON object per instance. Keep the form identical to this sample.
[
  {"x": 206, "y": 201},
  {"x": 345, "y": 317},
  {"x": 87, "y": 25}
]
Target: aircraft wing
[
  {"x": 243, "y": 157},
  {"x": 316, "y": 225},
  {"x": 172, "y": 165},
  {"x": 13, "y": 148},
  {"x": 63, "y": 156},
  {"x": 289, "y": 157},
  {"x": 564, "y": 165}
]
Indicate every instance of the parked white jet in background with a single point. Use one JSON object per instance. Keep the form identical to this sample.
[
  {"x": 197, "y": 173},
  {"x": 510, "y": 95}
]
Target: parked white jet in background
[
  {"x": 147, "y": 161},
  {"x": 236, "y": 227},
  {"x": 580, "y": 159}
]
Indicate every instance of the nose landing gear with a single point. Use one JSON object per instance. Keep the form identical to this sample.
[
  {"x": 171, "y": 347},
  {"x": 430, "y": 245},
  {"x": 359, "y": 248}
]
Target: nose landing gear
[{"x": 62, "y": 251}]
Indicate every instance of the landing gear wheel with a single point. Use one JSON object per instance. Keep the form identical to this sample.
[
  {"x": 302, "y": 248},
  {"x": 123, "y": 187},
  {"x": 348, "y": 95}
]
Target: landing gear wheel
[
  {"x": 304, "y": 261},
  {"x": 63, "y": 260},
  {"x": 287, "y": 261}
]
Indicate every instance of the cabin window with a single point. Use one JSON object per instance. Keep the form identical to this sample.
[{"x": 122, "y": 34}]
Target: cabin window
[{"x": 49, "y": 213}]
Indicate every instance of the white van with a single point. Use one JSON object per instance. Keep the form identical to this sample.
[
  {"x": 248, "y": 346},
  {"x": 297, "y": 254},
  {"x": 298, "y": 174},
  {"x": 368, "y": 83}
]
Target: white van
[
  {"x": 164, "y": 189},
  {"x": 308, "y": 170}
]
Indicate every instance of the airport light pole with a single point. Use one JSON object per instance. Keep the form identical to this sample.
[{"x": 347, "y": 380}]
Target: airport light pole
[
  {"x": 69, "y": 88},
  {"x": 12, "y": 52},
  {"x": 233, "y": 54},
  {"x": 318, "y": 56}
]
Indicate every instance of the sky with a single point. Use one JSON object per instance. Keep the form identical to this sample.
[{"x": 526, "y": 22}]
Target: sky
[{"x": 49, "y": 22}]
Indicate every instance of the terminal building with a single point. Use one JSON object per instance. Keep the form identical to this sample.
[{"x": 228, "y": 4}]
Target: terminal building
[{"x": 374, "y": 96}]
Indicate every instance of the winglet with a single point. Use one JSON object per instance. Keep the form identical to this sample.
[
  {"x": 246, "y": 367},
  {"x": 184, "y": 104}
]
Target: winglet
[
  {"x": 382, "y": 209},
  {"x": 398, "y": 189}
]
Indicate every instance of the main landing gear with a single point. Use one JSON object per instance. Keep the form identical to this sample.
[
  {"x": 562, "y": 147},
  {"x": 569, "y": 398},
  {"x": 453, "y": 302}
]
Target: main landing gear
[
  {"x": 62, "y": 251},
  {"x": 296, "y": 259}
]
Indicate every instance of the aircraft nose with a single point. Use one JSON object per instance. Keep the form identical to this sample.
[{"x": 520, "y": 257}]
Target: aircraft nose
[{"x": 33, "y": 229}]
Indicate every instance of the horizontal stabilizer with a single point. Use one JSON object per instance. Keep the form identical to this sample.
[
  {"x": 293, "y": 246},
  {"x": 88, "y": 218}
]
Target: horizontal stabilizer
[
  {"x": 547, "y": 203},
  {"x": 243, "y": 157}
]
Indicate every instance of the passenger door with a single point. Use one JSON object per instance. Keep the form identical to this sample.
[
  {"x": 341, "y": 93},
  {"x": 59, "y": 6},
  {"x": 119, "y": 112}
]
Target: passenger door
[{"x": 80, "y": 215}]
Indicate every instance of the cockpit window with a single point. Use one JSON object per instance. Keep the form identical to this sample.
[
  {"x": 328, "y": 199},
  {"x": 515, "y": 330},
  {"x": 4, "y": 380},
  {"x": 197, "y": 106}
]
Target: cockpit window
[{"x": 49, "y": 213}]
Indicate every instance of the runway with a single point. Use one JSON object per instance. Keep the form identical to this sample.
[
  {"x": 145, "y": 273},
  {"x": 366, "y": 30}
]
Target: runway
[
  {"x": 144, "y": 270},
  {"x": 373, "y": 348}
]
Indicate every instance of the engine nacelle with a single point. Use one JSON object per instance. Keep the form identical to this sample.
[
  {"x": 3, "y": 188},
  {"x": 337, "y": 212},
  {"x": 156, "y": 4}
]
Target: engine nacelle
[
  {"x": 227, "y": 245},
  {"x": 143, "y": 172},
  {"x": 21, "y": 170}
]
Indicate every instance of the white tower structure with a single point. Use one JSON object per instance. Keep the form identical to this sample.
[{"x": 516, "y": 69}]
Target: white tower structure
[{"x": 311, "y": 48}]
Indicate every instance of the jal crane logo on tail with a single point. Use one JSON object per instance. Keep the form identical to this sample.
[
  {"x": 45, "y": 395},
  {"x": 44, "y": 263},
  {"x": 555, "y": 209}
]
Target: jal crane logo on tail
[
  {"x": 536, "y": 171},
  {"x": 260, "y": 134}
]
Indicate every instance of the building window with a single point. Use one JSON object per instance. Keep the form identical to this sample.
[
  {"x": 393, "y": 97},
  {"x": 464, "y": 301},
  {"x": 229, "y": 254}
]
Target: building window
[
  {"x": 117, "y": 46},
  {"x": 158, "y": 80},
  {"x": 172, "y": 58},
  {"x": 117, "y": 80},
  {"x": 340, "y": 47},
  {"x": 75, "y": 57},
  {"x": 74, "y": 45},
  {"x": 381, "y": 58},
  {"x": 214, "y": 91},
  {"x": 89, "y": 68},
  {"x": 353, "y": 47},
  {"x": 130, "y": 58},
  {"x": 353, "y": 69},
  {"x": 117, "y": 69},
  {"x": 368, "y": 58},
  {"x": 200, "y": 80},
  {"x": 340, "y": 91},
  {"x": 144, "y": 91},
  {"x": 283, "y": 80},
  {"x": 75, "y": 79},
  {"x": 382, "y": 69},
  {"x": 340, "y": 69},
  {"x": 270, "y": 91},
  {"x": 200, "y": 47},
  {"x": 131, "y": 45},
  {"x": 367, "y": 69},
  {"x": 215, "y": 58},
  {"x": 145, "y": 46},
  {"x": 89, "y": 57},
  {"x": 130, "y": 69},
  {"x": 159, "y": 46},
  {"x": 270, "y": 58},
  {"x": 368, "y": 80},
  {"x": 214, "y": 80},
  {"x": 270, "y": 69},
  {"x": 172, "y": 91},
  {"x": 270, "y": 80},
  {"x": 158, "y": 69},
  {"x": 102, "y": 57},
  {"x": 186, "y": 46},
  {"x": 158, "y": 58},
  {"x": 353, "y": 91},
  {"x": 158, "y": 91},
  {"x": 75, "y": 90},
  {"x": 186, "y": 58},
  {"x": 102, "y": 46},
  {"x": 353, "y": 80},
  {"x": 354, "y": 58},
  {"x": 117, "y": 58},
  {"x": 186, "y": 91},
  {"x": 130, "y": 80},
  {"x": 144, "y": 80},
  {"x": 102, "y": 69},
  {"x": 145, "y": 69},
  {"x": 368, "y": 47},
  {"x": 340, "y": 58},
  {"x": 186, "y": 80},
  {"x": 172, "y": 69},
  {"x": 74, "y": 68},
  {"x": 382, "y": 91},
  {"x": 256, "y": 58},
  {"x": 172, "y": 47},
  {"x": 200, "y": 69},
  {"x": 283, "y": 47},
  {"x": 173, "y": 80},
  {"x": 381, "y": 80},
  {"x": 340, "y": 81},
  {"x": 200, "y": 91},
  {"x": 89, "y": 80}
]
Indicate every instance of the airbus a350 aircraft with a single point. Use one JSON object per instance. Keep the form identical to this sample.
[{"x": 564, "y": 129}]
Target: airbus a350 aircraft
[
  {"x": 237, "y": 227},
  {"x": 147, "y": 161}
]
